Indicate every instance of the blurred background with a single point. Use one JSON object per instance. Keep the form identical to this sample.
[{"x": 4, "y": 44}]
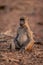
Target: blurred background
[{"x": 12, "y": 10}]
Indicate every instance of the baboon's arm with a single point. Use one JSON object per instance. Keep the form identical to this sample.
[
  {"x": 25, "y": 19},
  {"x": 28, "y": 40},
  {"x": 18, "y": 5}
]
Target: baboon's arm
[
  {"x": 16, "y": 36},
  {"x": 31, "y": 43}
]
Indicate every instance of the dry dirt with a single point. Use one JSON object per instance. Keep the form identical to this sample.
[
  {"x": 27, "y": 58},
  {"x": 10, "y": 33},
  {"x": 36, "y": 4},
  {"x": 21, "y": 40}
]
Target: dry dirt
[
  {"x": 10, "y": 13},
  {"x": 8, "y": 57}
]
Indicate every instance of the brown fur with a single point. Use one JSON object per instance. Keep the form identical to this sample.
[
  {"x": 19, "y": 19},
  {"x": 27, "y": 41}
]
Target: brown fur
[{"x": 31, "y": 43}]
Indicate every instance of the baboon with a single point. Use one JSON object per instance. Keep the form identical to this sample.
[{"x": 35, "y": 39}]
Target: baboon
[{"x": 24, "y": 38}]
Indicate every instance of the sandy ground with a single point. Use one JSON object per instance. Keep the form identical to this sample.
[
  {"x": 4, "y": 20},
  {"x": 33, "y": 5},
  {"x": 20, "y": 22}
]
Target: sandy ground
[
  {"x": 35, "y": 56},
  {"x": 10, "y": 13}
]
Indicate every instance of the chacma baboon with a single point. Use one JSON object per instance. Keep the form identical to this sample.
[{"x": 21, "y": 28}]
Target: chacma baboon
[{"x": 24, "y": 38}]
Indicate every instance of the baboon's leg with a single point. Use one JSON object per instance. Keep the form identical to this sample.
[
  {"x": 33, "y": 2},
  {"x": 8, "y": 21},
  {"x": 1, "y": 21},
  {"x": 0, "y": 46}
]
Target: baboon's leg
[
  {"x": 17, "y": 46},
  {"x": 29, "y": 45},
  {"x": 12, "y": 46}
]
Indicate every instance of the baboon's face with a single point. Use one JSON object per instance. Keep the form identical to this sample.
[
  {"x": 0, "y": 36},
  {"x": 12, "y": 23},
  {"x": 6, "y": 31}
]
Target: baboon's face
[{"x": 22, "y": 22}]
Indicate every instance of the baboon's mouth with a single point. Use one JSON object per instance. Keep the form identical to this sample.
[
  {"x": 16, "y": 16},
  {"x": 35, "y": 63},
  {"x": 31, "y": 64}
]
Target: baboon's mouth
[{"x": 21, "y": 24}]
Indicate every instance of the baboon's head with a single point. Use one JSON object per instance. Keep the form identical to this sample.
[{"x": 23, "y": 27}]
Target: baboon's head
[{"x": 22, "y": 21}]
